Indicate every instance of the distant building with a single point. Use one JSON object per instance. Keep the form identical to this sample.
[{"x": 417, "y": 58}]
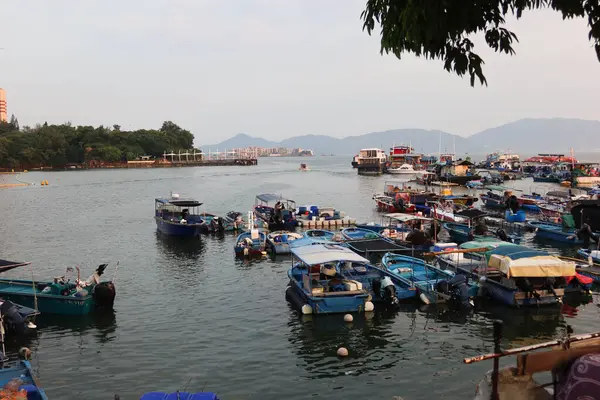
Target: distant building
[{"x": 3, "y": 109}]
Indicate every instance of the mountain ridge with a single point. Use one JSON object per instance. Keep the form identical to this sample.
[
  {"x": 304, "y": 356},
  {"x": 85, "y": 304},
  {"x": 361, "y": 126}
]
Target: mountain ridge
[{"x": 528, "y": 135}]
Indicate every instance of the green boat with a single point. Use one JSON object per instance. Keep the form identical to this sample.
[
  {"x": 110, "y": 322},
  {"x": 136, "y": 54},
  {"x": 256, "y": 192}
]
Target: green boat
[{"x": 61, "y": 295}]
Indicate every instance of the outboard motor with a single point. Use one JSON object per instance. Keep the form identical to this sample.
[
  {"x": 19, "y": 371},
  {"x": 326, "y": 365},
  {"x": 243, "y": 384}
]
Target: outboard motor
[
  {"x": 459, "y": 290},
  {"x": 388, "y": 291},
  {"x": 13, "y": 320},
  {"x": 103, "y": 293},
  {"x": 501, "y": 233}
]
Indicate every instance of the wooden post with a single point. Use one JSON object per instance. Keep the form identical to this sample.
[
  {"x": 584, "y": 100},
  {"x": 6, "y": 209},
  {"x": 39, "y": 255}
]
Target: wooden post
[{"x": 497, "y": 341}]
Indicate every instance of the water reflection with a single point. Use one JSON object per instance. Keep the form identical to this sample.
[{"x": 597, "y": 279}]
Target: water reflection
[{"x": 180, "y": 248}]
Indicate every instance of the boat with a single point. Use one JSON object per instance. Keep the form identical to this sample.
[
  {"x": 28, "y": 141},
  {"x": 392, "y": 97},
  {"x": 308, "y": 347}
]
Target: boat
[
  {"x": 17, "y": 381},
  {"x": 179, "y": 396},
  {"x": 359, "y": 233},
  {"x": 555, "y": 232},
  {"x": 371, "y": 161},
  {"x": 6, "y": 265},
  {"x": 520, "y": 276},
  {"x": 457, "y": 172},
  {"x": 406, "y": 170},
  {"x": 408, "y": 231},
  {"x": 494, "y": 200},
  {"x": 232, "y": 222},
  {"x": 433, "y": 284},
  {"x": 476, "y": 184},
  {"x": 277, "y": 219},
  {"x": 278, "y": 242},
  {"x": 319, "y": 233},
  {"x": 61, "y": 295},
  {"x": 463, "y": 233},
  {"x": 588, "y": 254},
  {"x": 591, "y": 268},
  {"x": 571, "y": 360},
  {"x": 173, "y": 216},
  {"x": 334, "y": 279},
  {"x": 304, "y": 167},
  {"x": 251, "y": 243},
  {"x": 17, "y": 318}
]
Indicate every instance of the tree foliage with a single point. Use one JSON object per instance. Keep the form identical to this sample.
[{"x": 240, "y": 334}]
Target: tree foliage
[
  {"x": 440, "y": 29},
  {"x": 58, "y": 145}
]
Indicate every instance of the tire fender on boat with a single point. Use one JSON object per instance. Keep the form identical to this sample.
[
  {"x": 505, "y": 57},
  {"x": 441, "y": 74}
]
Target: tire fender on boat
[
  {"x": 306, "y": 309},
  {"x": 424, "y": 298}
]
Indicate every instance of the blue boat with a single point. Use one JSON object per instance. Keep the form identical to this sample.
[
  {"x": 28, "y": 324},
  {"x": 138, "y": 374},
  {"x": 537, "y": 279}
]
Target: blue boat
[
  {"x": 21, "y": 373},
  {"x": 308, "y": 241},
  {"x": 283, "y": 219},
  {"x": 212, "y": 223},
  {"x": 334, "y": 279},
  {"x": 360, "y": 233},
  {"x": 555, "y": 232},
  {"x": 173, "y": 216},
  {"x": 593, "y": 270},
  {"x": 251, "y": 243},
  {"x": 463, "y": 233},
  {"x": 433, "y": 284},
  {"x": 587, "y": 253},
  {"x": 179, "y": 396},
  {"x": 520, "y": 276},
  {"x": 319, "y": 233},
  {"x": 61, "y": 296},
  {"x": 278, "y": 242}
]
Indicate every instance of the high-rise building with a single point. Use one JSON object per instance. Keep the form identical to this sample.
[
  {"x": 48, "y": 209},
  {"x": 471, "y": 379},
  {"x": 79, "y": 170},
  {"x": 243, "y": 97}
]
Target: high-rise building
[{"x": 3, "y": 111}]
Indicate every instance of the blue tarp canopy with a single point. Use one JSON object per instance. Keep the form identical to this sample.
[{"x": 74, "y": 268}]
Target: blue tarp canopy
[
  {"x": 307, "y": 241},
  {"x": 326, "y": 253}
]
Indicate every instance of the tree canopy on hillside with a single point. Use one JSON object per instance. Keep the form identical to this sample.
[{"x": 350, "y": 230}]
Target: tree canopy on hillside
[
  {"x": 58, "y": 145},
  {"x": 440, "y": 30}
]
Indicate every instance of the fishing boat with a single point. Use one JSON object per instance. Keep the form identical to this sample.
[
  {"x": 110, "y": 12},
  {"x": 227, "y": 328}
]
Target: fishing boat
[
  {"x": 17, "y": 381},
  {"x": 333, "y": 279},
  {"x": 179, "y": 396},
  {"x": 409, "y": 230},
  {"x": 320, "y": 233},
  {"x": 360, "y": 233},
  {"x": 591, "y": 268},
  {"x": 433, "y": 284},
  {"x": 571, "y": 360},
  {"x": 492, "y": 198},
  {"x": 555, "y": 232},
  {"x": 251, "y": 243},
  {"x": 175, "y": 216},
  {"x": 278, "y": 219},
  {"x": 520, "y": 276},
  {"x": 232, "y": 222},
  {"x": 457, "y": 172},
  {"x": 61, "y": 295},
  {"x": 466, "y": 232},
  {"x": 278, "y": 242},
  {"x": 588, "y": 254}
]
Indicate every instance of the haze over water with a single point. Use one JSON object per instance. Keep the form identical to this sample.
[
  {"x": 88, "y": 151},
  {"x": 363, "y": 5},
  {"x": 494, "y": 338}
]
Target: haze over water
[{"x": 188, "y": 315}]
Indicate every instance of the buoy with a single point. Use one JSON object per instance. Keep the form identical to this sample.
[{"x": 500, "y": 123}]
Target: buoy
[
  {"x": 306, "y": 309},
  {"x": 348, "y": 318},
  {"x": 342, "y": 352},
  {"x": 24, "y": 170},
  {"x": 369, "y": 306},
  {"x": 424, "y": 298},
  {"x": 246, "y": 251}
]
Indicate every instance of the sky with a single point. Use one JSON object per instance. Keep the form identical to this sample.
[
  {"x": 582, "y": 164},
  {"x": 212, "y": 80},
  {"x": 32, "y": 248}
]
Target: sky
[{"x": 272, "y": 69}]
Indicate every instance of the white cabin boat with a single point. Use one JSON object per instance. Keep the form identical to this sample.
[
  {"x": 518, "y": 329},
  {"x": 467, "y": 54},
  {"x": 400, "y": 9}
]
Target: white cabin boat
[{"x": 371, "y": 161}]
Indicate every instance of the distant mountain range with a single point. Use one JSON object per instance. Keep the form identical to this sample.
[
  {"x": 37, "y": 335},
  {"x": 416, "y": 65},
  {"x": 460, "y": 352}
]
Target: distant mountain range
[{"x": 527, "y": 136}]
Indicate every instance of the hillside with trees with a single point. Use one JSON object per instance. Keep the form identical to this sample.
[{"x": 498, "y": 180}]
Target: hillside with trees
[{"x": 60, "y": 145}]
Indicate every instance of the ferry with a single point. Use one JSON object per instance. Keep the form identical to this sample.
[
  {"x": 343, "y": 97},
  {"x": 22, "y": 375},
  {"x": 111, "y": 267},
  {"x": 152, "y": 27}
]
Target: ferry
[{"x": 371, "y": 161}]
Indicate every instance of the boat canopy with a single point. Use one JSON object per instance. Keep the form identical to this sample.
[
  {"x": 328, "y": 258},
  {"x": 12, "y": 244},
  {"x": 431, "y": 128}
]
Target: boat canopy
[
  {"x": 180, "y": 202},
  {"x": 471, "y": 213},
  {"x": 402, "y": 217},
  {"x": 326, "y": 253},
  {"x": 272, "y": 197},
  {"x": 521, "y": 261},
  {"x": 308, "y": 241}
]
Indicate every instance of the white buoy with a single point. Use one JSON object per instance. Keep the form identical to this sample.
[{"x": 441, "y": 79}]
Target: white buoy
[
  {"x": 348, "y": 318},
  {"x": 246, "y": 251},
  {"x": 306, "y": 309},
  {"x": 424, "y": 298},
  {"x": 369, "y": 306},
  {"x": 342, "y": 352}
]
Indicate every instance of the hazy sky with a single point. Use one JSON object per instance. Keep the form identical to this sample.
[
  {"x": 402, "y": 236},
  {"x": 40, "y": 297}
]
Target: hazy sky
[{"x": 271, "y": 68}]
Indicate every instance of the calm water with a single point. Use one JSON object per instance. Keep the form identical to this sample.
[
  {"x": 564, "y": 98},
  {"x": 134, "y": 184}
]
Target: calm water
[{"x": 188, "y": 314}]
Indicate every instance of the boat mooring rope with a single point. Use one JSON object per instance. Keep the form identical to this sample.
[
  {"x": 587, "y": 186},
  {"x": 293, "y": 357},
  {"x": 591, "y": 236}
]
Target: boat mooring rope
[
  {"x": 18, "y": 180},
  {"x": 35, "y": 299}
]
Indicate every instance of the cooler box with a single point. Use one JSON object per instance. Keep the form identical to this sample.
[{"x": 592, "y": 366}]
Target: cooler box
[{"x": 444, "y": 246}]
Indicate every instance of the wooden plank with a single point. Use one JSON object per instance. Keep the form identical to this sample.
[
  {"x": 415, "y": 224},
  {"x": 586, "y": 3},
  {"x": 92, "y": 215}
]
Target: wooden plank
[{"x": 529, "y": 364}]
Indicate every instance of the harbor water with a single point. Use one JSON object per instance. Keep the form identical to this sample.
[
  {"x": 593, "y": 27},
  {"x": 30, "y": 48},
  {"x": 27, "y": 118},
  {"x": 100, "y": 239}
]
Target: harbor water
[{"x": 188, "y": 315}]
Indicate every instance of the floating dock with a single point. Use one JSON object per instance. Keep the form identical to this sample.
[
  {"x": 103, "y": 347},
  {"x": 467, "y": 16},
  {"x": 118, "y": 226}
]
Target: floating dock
[{"x": 323, "y": 223}]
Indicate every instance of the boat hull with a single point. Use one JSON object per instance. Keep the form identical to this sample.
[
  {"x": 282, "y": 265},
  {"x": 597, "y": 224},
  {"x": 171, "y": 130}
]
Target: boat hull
[
  {"x": 177, "y": 229},
  {"x": 22, "y": 370},
  {"x": 48, "y": 304},
  {"x": 554, "y": 232},
  {"x": 515, "y": 298},
  {"x": 324, "y": 305},
  {"x": 279, "y": 248}
]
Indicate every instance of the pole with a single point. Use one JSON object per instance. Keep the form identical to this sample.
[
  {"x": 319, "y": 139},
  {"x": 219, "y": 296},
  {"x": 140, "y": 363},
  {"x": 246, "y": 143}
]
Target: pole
[{"x": 497, "y": 341}]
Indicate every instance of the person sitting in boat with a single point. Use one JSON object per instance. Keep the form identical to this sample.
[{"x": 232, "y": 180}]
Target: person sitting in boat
[
  {"x": 184, "y": 214},
  {"x": 585, "y": 234},
  {"x": 417, "y": 237},
  {"x": 278, "y": 208}
]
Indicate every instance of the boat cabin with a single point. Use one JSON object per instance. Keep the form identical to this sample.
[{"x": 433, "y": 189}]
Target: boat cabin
[
  {"x": 460, "y": 168},
  {"x": 178, "y": 209}
]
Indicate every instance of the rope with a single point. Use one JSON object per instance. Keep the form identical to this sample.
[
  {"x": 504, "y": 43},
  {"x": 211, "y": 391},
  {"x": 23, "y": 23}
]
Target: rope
[{"x": 35, "y": 299}]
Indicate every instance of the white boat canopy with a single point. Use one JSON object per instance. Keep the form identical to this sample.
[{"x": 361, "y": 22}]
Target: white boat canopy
[
  {"x": 402, "y": 217},
  {"x": 326, "y": 253}
]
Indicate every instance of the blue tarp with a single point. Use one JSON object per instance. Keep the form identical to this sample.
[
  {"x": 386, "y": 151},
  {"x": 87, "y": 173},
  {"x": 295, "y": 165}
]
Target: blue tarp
[{"x": 516, "y": 252}]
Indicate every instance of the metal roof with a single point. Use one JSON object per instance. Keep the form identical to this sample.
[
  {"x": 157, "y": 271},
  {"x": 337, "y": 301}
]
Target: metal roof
[{"x": 325, "y": 253}]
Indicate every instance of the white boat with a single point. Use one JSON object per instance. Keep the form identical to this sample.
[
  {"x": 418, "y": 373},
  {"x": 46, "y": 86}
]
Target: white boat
[
  {"x": 371, "y": 161},
  {"x": 406, "y": 169}
]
